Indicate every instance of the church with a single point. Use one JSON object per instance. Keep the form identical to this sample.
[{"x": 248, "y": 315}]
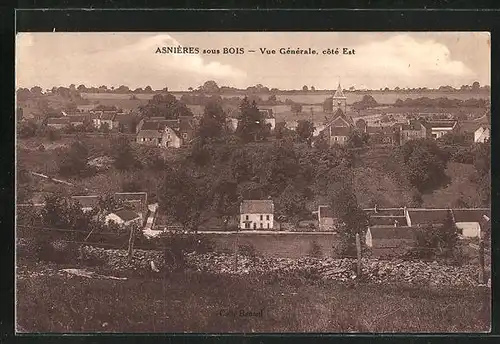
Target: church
[{"x": 338, "y": 125}]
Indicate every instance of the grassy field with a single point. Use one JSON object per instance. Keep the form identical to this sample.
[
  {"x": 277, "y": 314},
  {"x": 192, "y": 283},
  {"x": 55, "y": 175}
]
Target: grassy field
[{"x": 192, "y": 302}]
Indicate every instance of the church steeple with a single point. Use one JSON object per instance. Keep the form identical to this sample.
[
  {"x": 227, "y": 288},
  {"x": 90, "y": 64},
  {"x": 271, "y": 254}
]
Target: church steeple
[{"x": 339, "y": 99}]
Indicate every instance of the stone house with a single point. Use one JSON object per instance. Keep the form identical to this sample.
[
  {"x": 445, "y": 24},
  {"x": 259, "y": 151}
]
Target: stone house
[
  {"x": 338, "y": 129},
  {"x": 413, "y": 130},
  {"x": 256, "y": 214}
]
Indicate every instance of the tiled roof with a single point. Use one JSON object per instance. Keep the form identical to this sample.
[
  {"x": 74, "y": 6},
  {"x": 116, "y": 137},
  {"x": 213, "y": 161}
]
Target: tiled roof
[
  {"x": 108, "y": 115},
  {"x": 442, "y": 124},
  {"x": 427, "y": 216},
  {"x": 413, "y": 125},
  {"x": 147, "y": 125},
  {"x": 257, "y": 207},
  {"x": 267, "y": 113},
  {"x": 149, "y": 133},
  {"x": 385, "y": 211},
  {"x": 471, "y": 215},
  {"x": 132, "y": 196},
  {"x": 387, "y": 220},
  {"x": 124, "y": 118},
  {"x": 60, "y": 120},
  {"x": 76, "y": 119},
  {"x": 391, "y": 232},
  {"x": 87, "y": 201},
  {"x": 126, "y": 215}
]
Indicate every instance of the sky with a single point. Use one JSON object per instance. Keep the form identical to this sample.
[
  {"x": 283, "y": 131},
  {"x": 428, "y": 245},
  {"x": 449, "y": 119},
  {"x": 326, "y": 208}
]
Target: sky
[{"x": 381, "y": 59}]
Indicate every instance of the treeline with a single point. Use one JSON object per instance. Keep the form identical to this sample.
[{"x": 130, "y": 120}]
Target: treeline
[{"x": 442, "y": 102}]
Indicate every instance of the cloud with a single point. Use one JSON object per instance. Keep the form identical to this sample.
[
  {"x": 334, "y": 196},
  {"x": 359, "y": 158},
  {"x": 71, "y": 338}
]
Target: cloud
[
  {"x": 134, "y": 64},
  {"x": 404, "y": 61}
]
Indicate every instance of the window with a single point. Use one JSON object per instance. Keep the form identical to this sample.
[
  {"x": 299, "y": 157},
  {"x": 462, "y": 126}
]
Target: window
[
  {"x": 336, "y": 138},
  {"x": 184, "y": 136},
  {"x": 247, "y": 225},
  {"x": 261, "y": 217},
  {"x": 261, "y": 225},
  {"x": 246, "y": 217},
  {"x": 267, "y": 218},
  {"x": 268, "y": 226}
]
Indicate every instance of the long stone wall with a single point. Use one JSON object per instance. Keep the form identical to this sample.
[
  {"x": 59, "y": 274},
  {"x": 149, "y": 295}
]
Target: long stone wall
[{"x": 278, "y": 244}]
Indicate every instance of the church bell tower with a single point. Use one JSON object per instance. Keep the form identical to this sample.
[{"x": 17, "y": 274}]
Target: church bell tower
[{"x": 339, "y": 100}]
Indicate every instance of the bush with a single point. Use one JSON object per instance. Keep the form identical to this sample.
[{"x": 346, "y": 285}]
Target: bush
[
  {"x": 315, "y": 250},
  {"x": 247, "y": 250}
]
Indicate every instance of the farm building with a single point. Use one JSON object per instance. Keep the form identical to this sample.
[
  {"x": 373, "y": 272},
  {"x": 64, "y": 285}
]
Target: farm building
[
  {"x": 471, "y": 221},
  {"x": 123, "y": 217},
  {"x": 58, "y": 123},
  {"x": 87, "y": 202},
  {"x": 390, "y": 240},
  {"x": 482, "y": 134}
]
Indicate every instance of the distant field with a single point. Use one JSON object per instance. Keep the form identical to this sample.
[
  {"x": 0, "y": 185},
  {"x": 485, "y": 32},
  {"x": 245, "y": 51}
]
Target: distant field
[{"x": 313, "y": 98}]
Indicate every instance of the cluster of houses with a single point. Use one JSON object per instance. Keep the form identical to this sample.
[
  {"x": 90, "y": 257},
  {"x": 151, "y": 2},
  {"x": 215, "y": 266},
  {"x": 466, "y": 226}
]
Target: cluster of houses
[
  {"x": 392, "y": 229},
  {"x": 98, "y": 119},
  {"x": 132, "y": 208}
]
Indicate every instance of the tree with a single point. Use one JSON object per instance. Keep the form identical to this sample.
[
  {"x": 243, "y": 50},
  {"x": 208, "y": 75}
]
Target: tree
[
  {"x": 210, "y": 87},
  {"x": 150, "y": 158},
  {"x": 305, "y": 130},
  {"x": 225, "y": 196},
  {"x": 123, "y": 154},
  {"x": 81, "y": 88},
  {"x": 251, "y": 126},
  {"x": 424, "y": 164},
  {"x": 352, "y": 219},
  {"x": 36, "y": 91},
  {"x": 213, "y": 122},
  {"x": 328, "y": 105},
  {"x": 357, "y": 139},
  {"x": 148, "y": 89},
  {"x": 291, "y": 204},
  {"x": 296, "y": 108},
  {"x": 304, "y": 88},
  {"x": 185, "y": 198},
  {"x": 475, "y": 86},
  {"x": 482, "y": 164},
  {"x": 313, "y": 88},
  {"x": 164, "y": 105},
  {"x": 366, "y": 102},
  {"x": 73, "y": 160}
]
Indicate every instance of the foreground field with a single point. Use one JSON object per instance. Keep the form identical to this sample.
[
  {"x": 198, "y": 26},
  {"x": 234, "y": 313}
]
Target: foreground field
[{"x": 194, "y": 302}]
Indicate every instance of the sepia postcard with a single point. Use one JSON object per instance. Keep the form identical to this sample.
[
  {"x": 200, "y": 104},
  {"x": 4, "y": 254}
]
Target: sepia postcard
[{"x": 253, "y": 182}]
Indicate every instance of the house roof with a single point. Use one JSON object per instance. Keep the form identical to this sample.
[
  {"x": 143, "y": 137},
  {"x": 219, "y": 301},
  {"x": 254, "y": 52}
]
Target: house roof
[
  {"x": 77, "y": 119},
  {"x": 442, "y": 123},
  {"x": 427, "y": 216},
  {"x": 108, "y": 115},
  {"x": 257, "y": 207},
  {"x": 468, "y": 126},
  {"x": 325, "y": 211},
  {"x": 391, "y": 232},
  {"x": 132, "y": 196},
  {"x": 339, "y": 114},
  {"x": 471, "y": 215},
  {"x": 339, "y": 93},
  {"x": 387, "y": 220},
  {"x": 385, "y": 211},
  {"x": 126, "y": 215},
  {"x": 413, "y": 125},
  {"x": 60, "y": 120},
  {"x": 87, "y": 201},
  {"x": 124, "y": 118},
  {"x": 149, "y": 133}
]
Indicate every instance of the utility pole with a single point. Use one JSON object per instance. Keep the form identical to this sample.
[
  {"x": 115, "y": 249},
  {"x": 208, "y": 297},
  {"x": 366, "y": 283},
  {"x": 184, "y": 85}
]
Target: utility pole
[
  {"x": 131, "y": 242},
  {"x": 358, "y": 250}
]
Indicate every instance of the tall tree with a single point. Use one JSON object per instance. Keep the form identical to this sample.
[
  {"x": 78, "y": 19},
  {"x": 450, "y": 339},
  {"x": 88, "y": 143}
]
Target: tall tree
[
  {"x": 251, "y": 126},
  {"x": 123, "y": 154},
  {"x": 213, "y": 122},
  {"x": 73, "y": 160},
  {"x": 164, "y": 105},
  {"x": 305, "y": 130}
]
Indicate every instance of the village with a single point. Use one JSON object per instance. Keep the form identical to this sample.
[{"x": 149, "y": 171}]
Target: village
[{"x": 220, "y": 191}]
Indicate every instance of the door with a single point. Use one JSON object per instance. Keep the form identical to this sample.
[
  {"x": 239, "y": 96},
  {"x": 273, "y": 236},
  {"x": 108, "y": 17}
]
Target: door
[{"x": 254, "y": 225}]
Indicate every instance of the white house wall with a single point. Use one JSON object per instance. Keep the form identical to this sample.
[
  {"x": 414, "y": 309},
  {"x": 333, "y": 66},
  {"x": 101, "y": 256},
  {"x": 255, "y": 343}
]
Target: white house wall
[
  {"x": 469, "y": 229},
  {"x": 255, "y": 218}
]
